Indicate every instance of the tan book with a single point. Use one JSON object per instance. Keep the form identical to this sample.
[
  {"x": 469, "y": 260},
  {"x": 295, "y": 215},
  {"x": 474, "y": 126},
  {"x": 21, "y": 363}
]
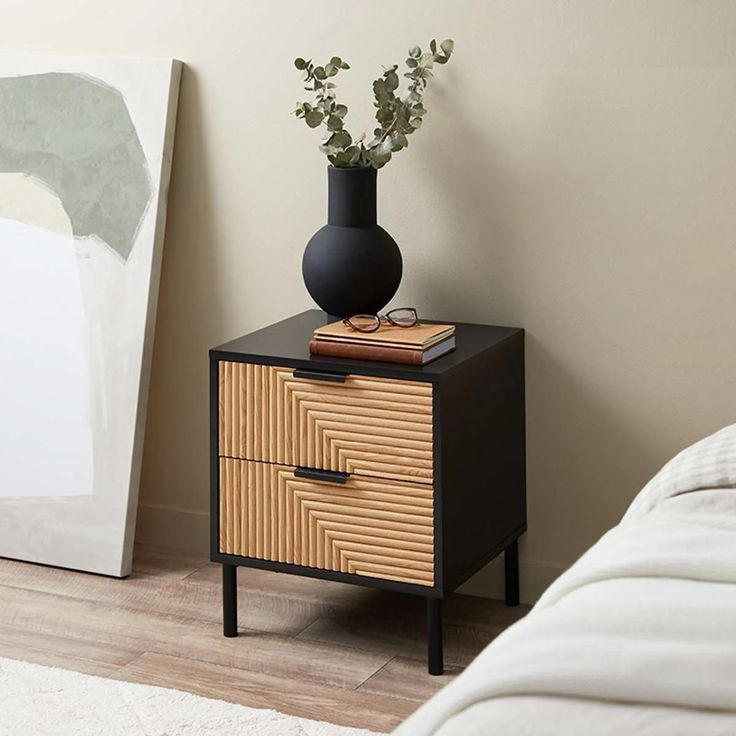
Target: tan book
[
  {"x": 366, "y": 351},
  {"x": 419, "y": 337}
]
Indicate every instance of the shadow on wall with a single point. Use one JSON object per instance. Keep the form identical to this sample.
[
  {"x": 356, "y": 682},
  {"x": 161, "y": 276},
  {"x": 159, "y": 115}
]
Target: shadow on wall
[
  {"x": 189, "y": 312},
  {"x": 584, "y": 457},
  {"x": 476, "y": 205}
]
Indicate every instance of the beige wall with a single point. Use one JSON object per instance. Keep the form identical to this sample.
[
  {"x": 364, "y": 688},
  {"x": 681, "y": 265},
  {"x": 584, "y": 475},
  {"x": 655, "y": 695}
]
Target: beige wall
[{"x": 576, "y": 176}]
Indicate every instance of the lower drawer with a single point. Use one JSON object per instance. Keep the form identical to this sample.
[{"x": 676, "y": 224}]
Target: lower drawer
[{"x": 378, "y": 528}]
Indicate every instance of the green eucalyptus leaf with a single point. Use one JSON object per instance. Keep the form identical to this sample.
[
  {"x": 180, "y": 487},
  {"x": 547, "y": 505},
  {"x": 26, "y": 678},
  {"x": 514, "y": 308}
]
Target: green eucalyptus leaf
[
  {"x": 380, "y": 155},
  {"x": 425, "y": 61},
  {"x": 416, "y": 122},
  {"x": 433, "y": 46},
  {"x": 314, "y": 118},
  {"x": 336, "y": 61},
  {"x": 344, "y": 65},
  {"x": 448, "y": 46},
  {"x": 353, "y": 154},
  {"x": 384, "y": 115},
  {"x": 415, "y": 52},
  {"x": 411, "y": 63},
  {"x": 341, "y": 110},
  {"x": 341, "y": 139},
  {"x": 334, "y": 122},
  {"x": 441, "y": 59},
  {"x": 392, "y": 81},
  {"x": 319, "y": 72},
  {"x": 330, "y": 70},
  {"x": 398, "y": 142},
  {"x": 300, "y": 64}
]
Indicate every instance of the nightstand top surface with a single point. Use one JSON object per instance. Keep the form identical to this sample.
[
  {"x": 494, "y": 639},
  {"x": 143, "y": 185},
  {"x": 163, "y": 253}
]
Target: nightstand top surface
[{"x": 287, "y": 343}]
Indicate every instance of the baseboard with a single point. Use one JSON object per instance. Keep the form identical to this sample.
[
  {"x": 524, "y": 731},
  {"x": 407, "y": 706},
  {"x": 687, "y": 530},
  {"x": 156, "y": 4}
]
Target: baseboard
[
  {"x": 164, "y": 526},
  {"x": 189, "y": 531}
]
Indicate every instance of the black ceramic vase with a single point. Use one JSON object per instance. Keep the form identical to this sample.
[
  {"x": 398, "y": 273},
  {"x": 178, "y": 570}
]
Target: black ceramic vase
[{"x": 351, "y": 265}]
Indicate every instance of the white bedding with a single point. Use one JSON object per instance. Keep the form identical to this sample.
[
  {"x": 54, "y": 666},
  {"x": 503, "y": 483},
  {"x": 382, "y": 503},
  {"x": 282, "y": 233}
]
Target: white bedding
[{"x": 638, "y": 637}]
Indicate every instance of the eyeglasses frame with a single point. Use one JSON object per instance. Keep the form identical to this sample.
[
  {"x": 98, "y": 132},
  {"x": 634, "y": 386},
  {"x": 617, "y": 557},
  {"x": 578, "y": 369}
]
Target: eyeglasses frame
[{"x": 380, "y": 318}]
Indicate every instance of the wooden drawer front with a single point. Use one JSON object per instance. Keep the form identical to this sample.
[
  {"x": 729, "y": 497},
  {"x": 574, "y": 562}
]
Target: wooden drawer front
[
  {"x": 378, "y": 528},
  {"x": 367, "y": 426}
]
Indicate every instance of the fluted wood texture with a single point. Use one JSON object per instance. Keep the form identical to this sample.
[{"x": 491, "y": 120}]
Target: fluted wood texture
[
  {"x": 368, "y": 426},
  {"x": 378, "y": 528}
]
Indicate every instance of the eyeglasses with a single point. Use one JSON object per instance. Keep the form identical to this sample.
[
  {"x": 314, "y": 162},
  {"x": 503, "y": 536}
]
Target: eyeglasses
[{"x": 400, "y": 317}]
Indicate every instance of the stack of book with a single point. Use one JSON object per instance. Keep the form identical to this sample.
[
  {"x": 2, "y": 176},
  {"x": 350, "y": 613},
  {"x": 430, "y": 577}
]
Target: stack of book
[{"x": 417, "y": 345}]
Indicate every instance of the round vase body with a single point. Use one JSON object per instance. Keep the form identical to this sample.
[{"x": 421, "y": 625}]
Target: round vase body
[{"x": 352, "y": 265}]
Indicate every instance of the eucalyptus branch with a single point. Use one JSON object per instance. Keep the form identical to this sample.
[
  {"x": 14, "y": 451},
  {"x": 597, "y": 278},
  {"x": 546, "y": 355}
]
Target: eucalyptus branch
[{"x": 397, "y": 117}]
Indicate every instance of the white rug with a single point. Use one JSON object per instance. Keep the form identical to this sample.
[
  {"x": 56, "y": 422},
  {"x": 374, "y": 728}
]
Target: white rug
[{"x": 46, "y": 701}]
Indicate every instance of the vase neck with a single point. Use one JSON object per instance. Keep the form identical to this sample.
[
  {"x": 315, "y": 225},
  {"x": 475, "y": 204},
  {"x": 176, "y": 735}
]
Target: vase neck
[{"x": 352, "y": 197}]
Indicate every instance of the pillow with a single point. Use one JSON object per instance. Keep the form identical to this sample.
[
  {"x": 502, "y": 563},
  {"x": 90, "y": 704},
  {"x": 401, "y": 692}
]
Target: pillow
[{"x": 709, "y": 463}]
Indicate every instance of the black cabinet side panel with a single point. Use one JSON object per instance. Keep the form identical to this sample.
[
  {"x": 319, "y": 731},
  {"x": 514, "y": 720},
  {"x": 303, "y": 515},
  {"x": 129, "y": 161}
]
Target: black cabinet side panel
[{"x": 483, "y": 474}]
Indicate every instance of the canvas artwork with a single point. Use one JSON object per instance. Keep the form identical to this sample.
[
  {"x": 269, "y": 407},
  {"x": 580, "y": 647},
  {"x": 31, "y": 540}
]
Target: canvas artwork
[{"x": 85, "y": 158}]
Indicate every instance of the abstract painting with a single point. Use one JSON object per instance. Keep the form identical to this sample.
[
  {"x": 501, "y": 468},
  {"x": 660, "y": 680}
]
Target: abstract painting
[{"x": 85, "y": 159}]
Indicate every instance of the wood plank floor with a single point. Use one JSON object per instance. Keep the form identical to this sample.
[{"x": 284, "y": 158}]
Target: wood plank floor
[{"x": 313, "y": 648}]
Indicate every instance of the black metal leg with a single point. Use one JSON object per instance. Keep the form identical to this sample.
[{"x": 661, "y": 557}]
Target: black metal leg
[
  {"x": 511, "y": 568},
  {"x": 434, "y": 636},
  {"x": 230, "y": 600}
]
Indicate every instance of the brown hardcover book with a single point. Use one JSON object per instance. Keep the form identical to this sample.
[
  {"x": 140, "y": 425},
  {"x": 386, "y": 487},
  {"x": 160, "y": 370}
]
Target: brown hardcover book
[
  {"x": 359, "y": 351},
  {"x": 419, "y": 337}
]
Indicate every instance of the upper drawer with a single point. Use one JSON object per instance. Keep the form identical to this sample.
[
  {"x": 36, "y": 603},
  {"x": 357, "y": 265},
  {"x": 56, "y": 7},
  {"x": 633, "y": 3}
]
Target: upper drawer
[{"x": 368, "y": 426}]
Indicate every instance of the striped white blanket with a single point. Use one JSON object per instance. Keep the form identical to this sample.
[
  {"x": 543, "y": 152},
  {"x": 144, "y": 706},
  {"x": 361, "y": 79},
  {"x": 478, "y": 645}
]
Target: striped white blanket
[{"x": 639, "y": 636}]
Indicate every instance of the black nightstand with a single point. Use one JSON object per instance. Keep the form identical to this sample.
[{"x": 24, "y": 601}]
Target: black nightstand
[{"x": 409, "y": 478}]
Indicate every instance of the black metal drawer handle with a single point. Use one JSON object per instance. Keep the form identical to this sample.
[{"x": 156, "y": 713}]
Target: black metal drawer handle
[
  {"x": 331, "y": 476},
  {"x": 320, "y": 375}
]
